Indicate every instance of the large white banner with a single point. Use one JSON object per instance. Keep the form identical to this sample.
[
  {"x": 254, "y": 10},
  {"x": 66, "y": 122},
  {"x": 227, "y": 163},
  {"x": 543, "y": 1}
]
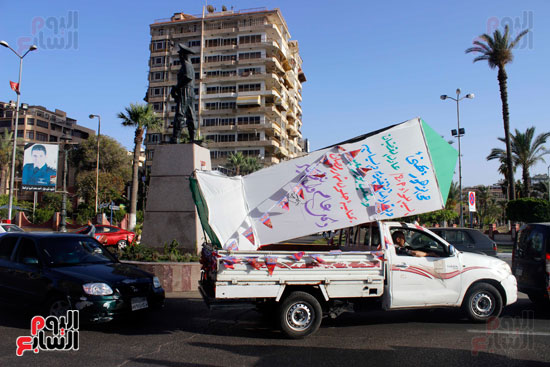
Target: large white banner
[
  {"x": 40, "y": 167},
  {"x": 383, "y": 176}
]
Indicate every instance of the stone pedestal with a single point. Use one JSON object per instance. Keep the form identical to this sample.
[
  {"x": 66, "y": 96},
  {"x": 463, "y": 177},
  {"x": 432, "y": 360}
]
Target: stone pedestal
[{"x": 170, "y": 212}]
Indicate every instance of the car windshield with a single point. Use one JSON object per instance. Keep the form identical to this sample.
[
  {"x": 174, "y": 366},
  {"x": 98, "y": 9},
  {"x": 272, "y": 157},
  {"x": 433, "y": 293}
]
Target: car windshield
[
  {"x": 60, "y": 251},
  {"x": 11, "y": 228}
]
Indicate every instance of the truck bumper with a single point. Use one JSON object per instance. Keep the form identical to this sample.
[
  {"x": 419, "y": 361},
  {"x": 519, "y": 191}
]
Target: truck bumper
[{"x": 510, "y": 286}]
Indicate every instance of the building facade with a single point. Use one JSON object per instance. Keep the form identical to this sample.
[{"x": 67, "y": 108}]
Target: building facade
[{"x": 248, "y": 83}]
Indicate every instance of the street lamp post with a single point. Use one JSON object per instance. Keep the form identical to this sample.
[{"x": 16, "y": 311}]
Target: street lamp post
[
  {"x": 458, "y": 134},
  {"x": 97, "y": 158},
  {"x": 548, "y": 174},
  {"x": 63, "y": 225},
  {"x": 18, "y": 91}
]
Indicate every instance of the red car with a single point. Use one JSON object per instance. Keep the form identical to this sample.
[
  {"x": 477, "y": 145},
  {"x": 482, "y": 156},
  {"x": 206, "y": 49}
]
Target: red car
[{"x": 111, "y": 235}]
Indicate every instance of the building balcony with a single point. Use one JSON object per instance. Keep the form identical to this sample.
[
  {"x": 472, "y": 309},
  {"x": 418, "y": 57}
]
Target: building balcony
[
  {"x": 219, "y": 48},
  {"x": 227, "y": 111},
  {"x": 211, "y": 32},
  {"x": 243, "y": 144},
  {"x": 219, "y": 95}
]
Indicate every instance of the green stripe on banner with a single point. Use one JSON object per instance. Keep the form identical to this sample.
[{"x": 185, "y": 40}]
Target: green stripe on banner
[{"x": 444, "y": 158}]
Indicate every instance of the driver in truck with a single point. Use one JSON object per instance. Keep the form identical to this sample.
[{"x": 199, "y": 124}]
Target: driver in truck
[{"x": 402, "y": 248}]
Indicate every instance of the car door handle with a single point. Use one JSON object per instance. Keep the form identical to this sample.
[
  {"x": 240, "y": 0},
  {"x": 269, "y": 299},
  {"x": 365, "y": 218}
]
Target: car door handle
[{"x": 402, "y": 266}]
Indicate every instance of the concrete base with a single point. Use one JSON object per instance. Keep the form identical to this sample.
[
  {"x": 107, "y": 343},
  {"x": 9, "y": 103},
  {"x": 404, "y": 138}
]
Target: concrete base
[{"x": 170, "y": 212}]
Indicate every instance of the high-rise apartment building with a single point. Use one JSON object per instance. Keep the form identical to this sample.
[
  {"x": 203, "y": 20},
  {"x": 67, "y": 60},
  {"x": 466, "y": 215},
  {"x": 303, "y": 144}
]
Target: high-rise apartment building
[{"x": 248, "y": 82}]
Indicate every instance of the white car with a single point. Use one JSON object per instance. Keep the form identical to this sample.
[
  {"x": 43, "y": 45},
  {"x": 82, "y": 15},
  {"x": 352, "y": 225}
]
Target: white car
[{"x": 5, "y": 227}]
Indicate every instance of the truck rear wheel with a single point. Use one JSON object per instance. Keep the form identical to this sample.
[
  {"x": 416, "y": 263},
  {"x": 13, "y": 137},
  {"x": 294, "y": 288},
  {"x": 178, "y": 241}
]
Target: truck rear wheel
[
  {"x": 482, "y": 302},
  {"x": 300, "y": 315}
]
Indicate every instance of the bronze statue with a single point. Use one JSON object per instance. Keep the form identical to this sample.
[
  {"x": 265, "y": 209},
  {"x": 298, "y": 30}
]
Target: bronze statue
[{"x": 184, "y": 95}]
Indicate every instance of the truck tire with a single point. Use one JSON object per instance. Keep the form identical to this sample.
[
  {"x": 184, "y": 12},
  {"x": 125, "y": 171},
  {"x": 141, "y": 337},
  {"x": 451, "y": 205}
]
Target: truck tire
[
  {"x": 300, "y": 315},
  {"x": 481, "y": 302}
]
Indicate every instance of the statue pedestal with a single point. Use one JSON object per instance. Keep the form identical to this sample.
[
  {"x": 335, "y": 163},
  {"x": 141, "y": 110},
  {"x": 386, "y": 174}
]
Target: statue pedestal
[{"x": 170, "y": 212}]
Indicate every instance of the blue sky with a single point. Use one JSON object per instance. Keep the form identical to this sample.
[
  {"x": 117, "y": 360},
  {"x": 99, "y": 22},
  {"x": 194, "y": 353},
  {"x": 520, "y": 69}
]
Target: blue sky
[{"x": 368, "y": 65}]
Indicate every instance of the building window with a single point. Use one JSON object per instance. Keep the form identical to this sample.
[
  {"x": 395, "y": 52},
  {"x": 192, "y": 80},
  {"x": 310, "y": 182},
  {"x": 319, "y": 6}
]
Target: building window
[
  {"x": 156, "y": 91},
  {"x": 30, "y": 121},
  {"x": 157, "y": 106},
  {"x": 20, "y": 133},
  {"x": 154, "y": 138},
  {"x": 255, "y": 38},
  {"x": 195, "y": 60},
  {"x": 249, "y": 71},
  {"x": 194, "y": 43},
  {"x": 249, "y": 87},
  {"x": 229, "y": 41},
  {"x": 158, "y": 61},
  {"x": 228, "y": 57},
  {"x": 248, "y": 137},
  {"x": 150, "y": 154},
  {"x": 250, "y": 153},
  {"x": 42, "y": 123},
  {"x": 210, "y": 122},
  {"x": 159, "y": 45},
  {"x": 158, "y": 75},
  {"x": 248, "y": 120},
  {"x": 41, "y": 136},
  {"x": 227, "y": 121},
  {"x": 250, "y": 55},
  {"x": 30, "y": 135}
]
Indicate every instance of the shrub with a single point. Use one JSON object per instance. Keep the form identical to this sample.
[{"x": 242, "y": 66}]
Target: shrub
[
  {"x": 140, "y": 252},
  {"x": 528, "y": 210}
]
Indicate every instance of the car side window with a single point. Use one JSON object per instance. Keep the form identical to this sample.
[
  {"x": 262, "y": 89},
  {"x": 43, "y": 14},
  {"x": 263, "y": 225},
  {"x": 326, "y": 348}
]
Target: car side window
[
  {"x": 7, "y": 245},
  {"x": 101, "y": 229},
  {"x": 418, "y": 240},
  {"x": 536, "y": 243},
  {"x": 26, "y": 252}
]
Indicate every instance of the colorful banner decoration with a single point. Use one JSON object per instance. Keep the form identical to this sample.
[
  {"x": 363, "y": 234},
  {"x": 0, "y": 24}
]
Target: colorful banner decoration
[
  {"x": 381, "y": 207},
  {"x": 317, "y": 258},
  {"x": 283, "y": 203},
  {"x": 299, "y": 190},
  {"x": 253, "y": 261},
  {"x": 233, "y": 245},
  {"x": 249, "y": 234},
  {"x": 229, "y": 261},
  {"x": 297, "y": 256},
  {"x": 265, "y": 219},
  {"x": 270, "y": 262}
]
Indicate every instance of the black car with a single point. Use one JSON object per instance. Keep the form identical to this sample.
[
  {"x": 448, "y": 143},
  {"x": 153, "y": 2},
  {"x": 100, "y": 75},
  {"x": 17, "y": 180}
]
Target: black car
[
  {"x": 56, "y": 272},
  {"x": 531, "y": 261},
  {"x": 467, "y": 240}
]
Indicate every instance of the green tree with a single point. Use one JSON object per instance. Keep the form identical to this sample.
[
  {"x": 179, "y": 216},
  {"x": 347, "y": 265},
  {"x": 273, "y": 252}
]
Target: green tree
[
  {"x": 251, "y": 164},
  {"x": 236, "y": 162},
  {"x": 526, "y": 152},
  {"x": 114, "y": 170},
  {"x": 497, "y": 51},
  {"x": 487, "y": 209},
  {"x": 141, "y": 117},
  {"x": 6, "y": 146}
]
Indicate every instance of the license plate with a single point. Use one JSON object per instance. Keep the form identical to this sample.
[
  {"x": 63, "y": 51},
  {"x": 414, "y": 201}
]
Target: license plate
[{"x": 139, "y": 303}]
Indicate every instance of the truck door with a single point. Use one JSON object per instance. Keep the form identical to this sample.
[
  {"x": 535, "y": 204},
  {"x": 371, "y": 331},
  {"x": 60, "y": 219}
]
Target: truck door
[{"x": 423, "y": 281}]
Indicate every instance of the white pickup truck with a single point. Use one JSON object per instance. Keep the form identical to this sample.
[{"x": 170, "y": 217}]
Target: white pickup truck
[{"x": 300, "y": 287}]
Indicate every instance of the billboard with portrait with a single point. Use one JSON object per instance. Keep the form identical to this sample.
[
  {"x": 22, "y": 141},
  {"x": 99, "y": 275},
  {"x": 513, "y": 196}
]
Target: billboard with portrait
[{"x": 40, "y": 167}]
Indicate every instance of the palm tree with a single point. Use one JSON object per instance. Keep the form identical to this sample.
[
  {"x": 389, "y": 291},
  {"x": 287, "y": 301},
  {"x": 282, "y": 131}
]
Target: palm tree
[
  {"x": 526, "y": 153},
  {"x": 497, "y": 50},
  {"x": 142, "y": 117},
  {"x": 251, "y": 164},
  {"x": 236, "y": 161}
]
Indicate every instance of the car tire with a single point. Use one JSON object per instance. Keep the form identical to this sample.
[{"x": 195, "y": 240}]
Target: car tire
[
  {"x": 300, "y": 315},
  {"x": 482, "y": 301},
  {"x": 57, "y": 306},
  {"x": 121, "y": 245}
]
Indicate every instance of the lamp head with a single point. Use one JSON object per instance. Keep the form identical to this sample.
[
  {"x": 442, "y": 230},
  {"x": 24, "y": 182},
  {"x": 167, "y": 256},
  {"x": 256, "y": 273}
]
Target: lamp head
[
  {"x": 457, "y": 91},
  {"x": 443, "y": 97},
  {"x": 33, "y": 47},
  {"x": 4, "y": 43},
  {"x": 91, "y": 116},
  {"x": 470, "y": 96}
]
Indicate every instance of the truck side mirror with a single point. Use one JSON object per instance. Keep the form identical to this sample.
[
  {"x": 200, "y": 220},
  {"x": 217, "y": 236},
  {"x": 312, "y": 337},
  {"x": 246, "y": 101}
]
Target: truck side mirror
[{"x": 452, "y": 250}]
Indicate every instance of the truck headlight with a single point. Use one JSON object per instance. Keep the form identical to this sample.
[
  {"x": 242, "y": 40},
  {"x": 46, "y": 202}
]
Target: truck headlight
[
  {"x": 97, "y": 289},
  {"x": 156, "y": 282},
  {"x": 504, "y": 267}
]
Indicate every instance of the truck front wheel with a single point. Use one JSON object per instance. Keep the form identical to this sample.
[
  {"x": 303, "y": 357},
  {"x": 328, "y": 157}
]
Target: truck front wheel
[
  {"x": 300, "y": 315},
  {"x": 482, "y": 302}
]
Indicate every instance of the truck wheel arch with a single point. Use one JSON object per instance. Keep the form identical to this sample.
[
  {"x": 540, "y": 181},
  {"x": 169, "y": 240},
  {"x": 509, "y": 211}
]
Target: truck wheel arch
[{"x": 492, "y": 282}]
